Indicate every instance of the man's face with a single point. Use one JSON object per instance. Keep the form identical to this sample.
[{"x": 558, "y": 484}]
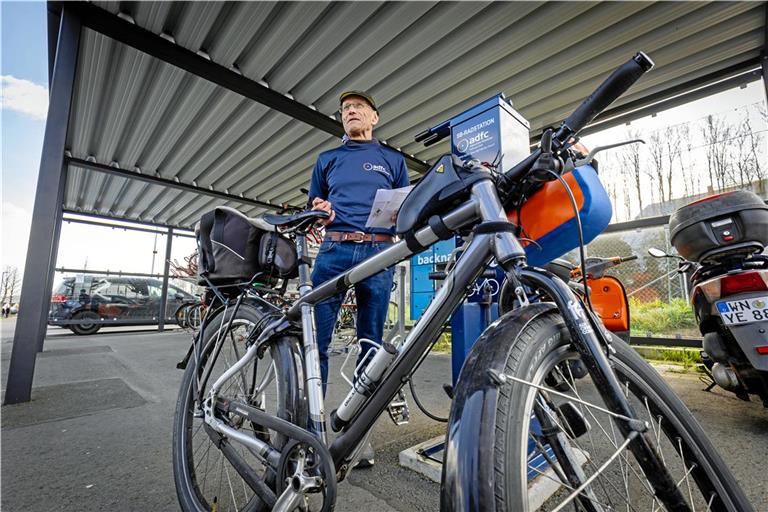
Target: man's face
[{"x": 357, "y": 116}]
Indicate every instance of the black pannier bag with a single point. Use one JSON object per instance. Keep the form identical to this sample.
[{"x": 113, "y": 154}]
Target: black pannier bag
[{"x": 233, "y": 248}]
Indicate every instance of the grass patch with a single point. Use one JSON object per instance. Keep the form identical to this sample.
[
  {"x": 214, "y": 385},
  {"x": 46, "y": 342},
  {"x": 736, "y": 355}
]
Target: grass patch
[
  {"x": 443, "y": 343},
  {"x": 657, "y": 317}
]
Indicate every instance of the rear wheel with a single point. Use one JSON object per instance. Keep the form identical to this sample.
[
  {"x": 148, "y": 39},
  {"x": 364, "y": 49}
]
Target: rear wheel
[
  {"x": 549, "y": 424},
  {"x": 205, "y": 479}
]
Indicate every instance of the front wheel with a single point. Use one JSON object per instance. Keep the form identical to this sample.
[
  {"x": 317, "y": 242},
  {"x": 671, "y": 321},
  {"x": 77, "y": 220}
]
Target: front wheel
[{"x": 554, "y": 440}]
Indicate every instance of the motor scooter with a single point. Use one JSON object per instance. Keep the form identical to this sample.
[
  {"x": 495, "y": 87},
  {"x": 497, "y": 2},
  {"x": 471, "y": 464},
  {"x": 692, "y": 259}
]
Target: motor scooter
[{"x": 720, "y": 241}]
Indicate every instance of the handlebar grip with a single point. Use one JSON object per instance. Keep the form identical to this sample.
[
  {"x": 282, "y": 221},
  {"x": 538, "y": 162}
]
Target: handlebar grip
[{"x": 613, "y": 87}]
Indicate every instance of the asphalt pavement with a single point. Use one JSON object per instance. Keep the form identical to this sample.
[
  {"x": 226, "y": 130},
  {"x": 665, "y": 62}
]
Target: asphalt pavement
[{"x": 96, "y": 435}]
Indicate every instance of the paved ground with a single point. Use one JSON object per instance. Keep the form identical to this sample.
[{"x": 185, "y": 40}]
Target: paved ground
[{"x": 96, "y": 435}]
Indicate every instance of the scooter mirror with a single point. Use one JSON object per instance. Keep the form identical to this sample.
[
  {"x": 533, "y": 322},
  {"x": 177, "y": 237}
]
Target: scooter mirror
[{"x": 657, "y": 253}]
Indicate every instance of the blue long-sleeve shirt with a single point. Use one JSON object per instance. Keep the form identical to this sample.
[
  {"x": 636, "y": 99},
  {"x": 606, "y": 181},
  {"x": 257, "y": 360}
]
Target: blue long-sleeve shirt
[{"x": 350, "y": 175}]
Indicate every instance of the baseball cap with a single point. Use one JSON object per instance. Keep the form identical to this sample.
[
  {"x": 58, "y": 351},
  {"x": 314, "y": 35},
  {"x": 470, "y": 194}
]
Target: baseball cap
[{"x": 367, "y": 97}]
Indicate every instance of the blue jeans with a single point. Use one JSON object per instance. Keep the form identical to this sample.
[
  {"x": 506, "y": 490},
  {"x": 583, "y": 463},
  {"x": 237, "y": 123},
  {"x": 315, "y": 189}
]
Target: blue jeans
[{"x": 372, "y": 295}]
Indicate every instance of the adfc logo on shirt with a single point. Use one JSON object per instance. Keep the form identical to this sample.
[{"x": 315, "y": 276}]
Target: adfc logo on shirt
[{"x": 368, "y": 166}]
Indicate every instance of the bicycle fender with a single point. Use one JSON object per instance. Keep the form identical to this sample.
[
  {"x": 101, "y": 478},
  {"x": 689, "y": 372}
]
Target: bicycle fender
[{"x": 468, "y": 473}]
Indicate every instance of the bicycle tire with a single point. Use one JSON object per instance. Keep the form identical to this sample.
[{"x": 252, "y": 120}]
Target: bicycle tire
[
  {"x": 542, "y": 354},
  {"x": 179, "y": 315},
  {"x": 194, "y": 315},
  {"x": 192, "y": 491}
]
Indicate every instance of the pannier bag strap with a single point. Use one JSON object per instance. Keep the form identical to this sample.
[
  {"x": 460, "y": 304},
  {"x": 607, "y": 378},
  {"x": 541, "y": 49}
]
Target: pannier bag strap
[
  {"x": 495, "y": 227},
  {"x": 438, "y": 226},
  {"x": 206, "y": 246},
  {"x": 271, "y": 248}
]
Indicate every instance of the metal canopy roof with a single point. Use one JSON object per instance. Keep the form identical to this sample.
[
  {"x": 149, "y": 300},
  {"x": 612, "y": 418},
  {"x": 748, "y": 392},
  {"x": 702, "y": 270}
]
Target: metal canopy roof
[{"x": 195, "y": 144}]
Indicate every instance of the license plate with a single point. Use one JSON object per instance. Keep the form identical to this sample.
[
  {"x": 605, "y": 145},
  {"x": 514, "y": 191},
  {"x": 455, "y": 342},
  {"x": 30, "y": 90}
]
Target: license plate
[{"x": 745, "y": 311}]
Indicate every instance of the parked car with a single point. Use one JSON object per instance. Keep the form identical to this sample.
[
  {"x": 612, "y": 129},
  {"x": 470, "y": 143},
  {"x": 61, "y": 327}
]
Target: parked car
[{"x": 85, "y": 303}]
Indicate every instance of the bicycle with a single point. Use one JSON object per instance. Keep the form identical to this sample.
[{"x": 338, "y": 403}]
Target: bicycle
[
  {"x": 546, "y": 392},
  {"x": 345, "y": 330},
  {"x": 189, "y": 315}
]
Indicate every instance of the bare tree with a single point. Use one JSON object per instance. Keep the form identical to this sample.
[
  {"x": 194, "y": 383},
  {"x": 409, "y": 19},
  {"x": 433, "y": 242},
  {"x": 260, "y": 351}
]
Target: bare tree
[
  {"x": 716, "y": 133},
  {"x": 673, "y": 146},
  {"x": 625, "y": 189},
  {"x": 742, "y": 154},
  {"x": 630, "y": 159},
  {"x": 690, "y": 176},
  {"x": 756, "y": 144},
  {"x": 656, "y": 173},
  {"x": 9, "y": 284}
]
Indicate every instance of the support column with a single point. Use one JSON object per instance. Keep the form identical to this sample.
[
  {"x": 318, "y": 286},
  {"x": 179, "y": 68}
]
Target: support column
[
  {"x": 35, "y": 290},
  {"x": 166, "y": 271},
  {"x": 764, "y": 55},
  {"x": 55, "y": 245}
]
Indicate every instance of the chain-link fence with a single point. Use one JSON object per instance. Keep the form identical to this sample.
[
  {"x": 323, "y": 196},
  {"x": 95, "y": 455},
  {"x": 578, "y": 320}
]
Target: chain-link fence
[{"x": 658, "y": 293}]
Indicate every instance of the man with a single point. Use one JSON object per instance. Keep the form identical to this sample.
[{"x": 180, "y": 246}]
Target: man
[{"x": 344, "y": 184}]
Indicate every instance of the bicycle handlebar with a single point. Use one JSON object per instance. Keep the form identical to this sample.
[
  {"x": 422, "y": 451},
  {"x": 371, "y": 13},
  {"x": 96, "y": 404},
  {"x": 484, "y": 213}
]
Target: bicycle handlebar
[{"x": 608, "y": 91}]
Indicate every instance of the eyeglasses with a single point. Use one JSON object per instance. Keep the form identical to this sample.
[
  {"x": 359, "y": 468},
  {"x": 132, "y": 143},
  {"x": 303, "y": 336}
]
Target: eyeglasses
[{"x": 357, "y": 106}]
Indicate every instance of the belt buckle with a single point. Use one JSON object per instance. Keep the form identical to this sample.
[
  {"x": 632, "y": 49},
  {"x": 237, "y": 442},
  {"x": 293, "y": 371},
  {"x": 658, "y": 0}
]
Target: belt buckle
[{"x": 362, "y": 237}]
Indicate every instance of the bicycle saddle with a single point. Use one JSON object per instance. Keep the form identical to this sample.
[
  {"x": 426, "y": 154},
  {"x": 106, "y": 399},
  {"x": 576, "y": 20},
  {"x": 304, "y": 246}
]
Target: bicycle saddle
[{"x": 295, "y": 219}]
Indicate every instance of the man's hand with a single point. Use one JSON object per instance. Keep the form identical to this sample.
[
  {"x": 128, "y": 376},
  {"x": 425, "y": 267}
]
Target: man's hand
[
  {"x": 578, "y": 146},
  {"x": 323, "y": 205}
]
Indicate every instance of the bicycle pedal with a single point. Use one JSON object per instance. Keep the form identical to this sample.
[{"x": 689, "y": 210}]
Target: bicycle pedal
[{"x": 398, "y": 409}]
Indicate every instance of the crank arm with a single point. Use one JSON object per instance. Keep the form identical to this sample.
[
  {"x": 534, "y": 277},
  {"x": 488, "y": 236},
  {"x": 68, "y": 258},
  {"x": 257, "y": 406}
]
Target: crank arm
[{"x": 293, "y": 432}]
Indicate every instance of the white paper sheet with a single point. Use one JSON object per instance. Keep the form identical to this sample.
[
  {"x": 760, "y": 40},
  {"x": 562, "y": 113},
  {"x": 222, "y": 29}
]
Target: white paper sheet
[{"x": 385, "y": 205}]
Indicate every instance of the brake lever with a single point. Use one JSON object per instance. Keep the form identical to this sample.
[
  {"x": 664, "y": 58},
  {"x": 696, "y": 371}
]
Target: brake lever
[{"x": 588, "y": 159}]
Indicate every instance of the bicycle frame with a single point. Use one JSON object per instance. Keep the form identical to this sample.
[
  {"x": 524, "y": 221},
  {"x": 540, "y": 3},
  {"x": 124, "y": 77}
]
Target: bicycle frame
[{"x": 483, "y": 206}]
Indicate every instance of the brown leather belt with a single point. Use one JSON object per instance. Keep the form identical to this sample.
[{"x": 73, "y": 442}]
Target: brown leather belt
[{"x": 357, "y": 236}]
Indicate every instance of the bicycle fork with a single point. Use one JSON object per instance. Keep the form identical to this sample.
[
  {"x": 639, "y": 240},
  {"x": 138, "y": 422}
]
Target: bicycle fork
[{"x": 588, "y": 338}]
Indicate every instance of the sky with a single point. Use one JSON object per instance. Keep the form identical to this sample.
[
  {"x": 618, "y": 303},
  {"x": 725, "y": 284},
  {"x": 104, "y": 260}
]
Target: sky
[{"x": 23, "y": 67}]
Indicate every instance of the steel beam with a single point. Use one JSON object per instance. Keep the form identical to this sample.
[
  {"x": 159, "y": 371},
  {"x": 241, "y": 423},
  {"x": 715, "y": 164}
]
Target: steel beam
[
  {"x": 764, "y": 55},
  {"x": 116, "y": 273},
  {"x": 706, "y": 85},
  {"x": 125, "y": 219},
  {"x": 682, "y": 99},
  {"x": 156, "y": 46},
  {"x": 54, "y": 19},
  {"x": 648, "y": 222},
  {"x": 166, "y": 270},
  {"x": 35, "y": 297},
  {"x": 165, "y": 182},
  {"x": 666, "y": 341},
  {"x": 118, "y": 226}
]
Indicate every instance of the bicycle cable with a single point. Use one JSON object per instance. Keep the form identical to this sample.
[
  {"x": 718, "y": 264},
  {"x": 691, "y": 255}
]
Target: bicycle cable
[
  {"x": 582, "y": 255},
  {"x": 421, "y": 406}
]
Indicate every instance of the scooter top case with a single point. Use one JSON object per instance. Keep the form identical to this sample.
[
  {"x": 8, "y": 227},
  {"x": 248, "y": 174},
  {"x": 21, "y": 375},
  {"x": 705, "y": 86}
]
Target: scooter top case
[{"x": 721, "y": 225}]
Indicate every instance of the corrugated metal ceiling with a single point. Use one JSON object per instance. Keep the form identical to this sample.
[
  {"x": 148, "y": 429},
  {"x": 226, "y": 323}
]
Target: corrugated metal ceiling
[{"x": 424, "y": 62}]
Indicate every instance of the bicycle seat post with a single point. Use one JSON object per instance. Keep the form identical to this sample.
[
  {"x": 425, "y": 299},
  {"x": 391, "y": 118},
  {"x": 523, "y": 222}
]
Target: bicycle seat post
[{"x": 312, "y": 358}]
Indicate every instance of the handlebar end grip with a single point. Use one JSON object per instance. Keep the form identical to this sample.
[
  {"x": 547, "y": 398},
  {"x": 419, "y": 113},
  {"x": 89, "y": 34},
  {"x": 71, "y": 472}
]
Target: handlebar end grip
[
  {"x": 422, "y": 135},
  {"x": 644, "y": 61}
]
